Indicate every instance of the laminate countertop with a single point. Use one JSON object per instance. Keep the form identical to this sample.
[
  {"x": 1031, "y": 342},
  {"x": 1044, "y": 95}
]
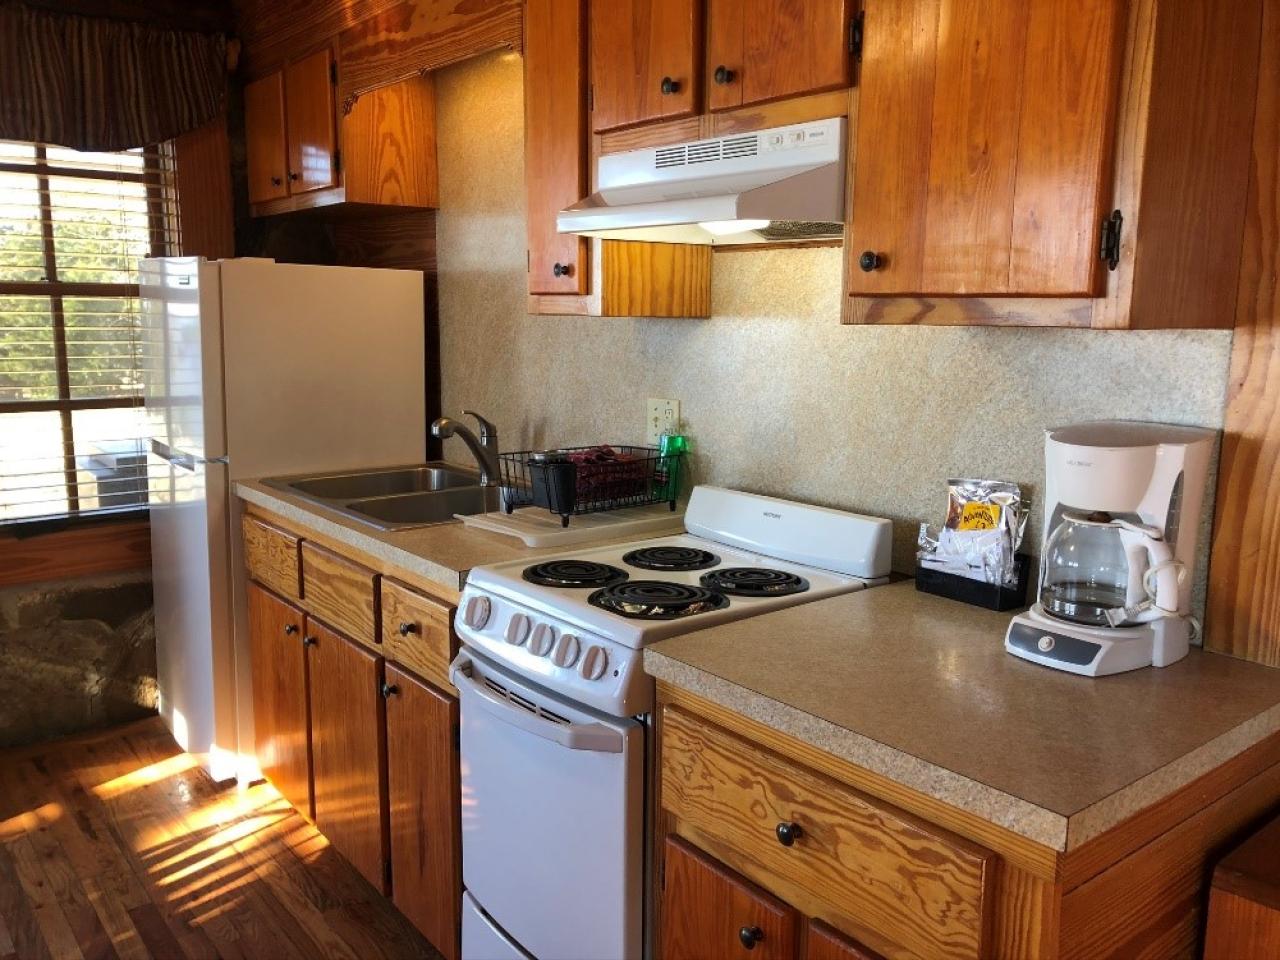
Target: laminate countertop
[{"x": 919, "y": 689}]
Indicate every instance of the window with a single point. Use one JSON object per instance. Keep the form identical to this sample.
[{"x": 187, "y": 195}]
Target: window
[{"x": 73, "y": 227}]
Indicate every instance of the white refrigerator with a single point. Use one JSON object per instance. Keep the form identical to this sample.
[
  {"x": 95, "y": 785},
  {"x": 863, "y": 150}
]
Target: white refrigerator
[{"x": 254, "y": 368}]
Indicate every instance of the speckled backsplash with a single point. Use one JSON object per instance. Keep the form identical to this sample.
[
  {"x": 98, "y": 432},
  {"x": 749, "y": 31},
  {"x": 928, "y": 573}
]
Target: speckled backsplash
[{"x": 777, "y": 395}]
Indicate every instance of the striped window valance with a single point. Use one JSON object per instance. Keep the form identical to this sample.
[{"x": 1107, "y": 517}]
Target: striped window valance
[{"x": 97, "y": 84}]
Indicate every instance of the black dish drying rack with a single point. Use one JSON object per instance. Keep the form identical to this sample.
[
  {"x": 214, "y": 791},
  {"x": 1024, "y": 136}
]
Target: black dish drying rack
[{"x": 577, "y": 480}]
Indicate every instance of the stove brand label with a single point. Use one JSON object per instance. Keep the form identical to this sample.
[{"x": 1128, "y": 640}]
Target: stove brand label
[{"x": 773, "y": 516}]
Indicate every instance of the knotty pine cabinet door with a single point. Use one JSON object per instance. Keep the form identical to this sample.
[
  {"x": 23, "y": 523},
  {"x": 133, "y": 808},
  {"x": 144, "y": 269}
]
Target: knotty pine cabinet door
[
  {"x": 984, "y": 137},
  {"x": 710, "y": 911},
  {"x": 309, "y": 103},
  {"x": 265, "y": 143},
  {"x": 555, "y": 140},
  {"x": 426, "y": 838},
  {"x": 349, "y": 749},
  {"x": 760, "y": 50},
  {"x": 282, "y": 736},
  {"x": 646, "y": 61}
]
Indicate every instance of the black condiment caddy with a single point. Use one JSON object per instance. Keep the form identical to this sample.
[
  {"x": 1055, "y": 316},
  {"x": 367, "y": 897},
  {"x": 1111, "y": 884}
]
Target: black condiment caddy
[{"x": 992, "y": 596}]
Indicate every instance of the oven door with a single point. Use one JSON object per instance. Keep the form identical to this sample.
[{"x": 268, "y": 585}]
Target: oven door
[{"x": 552, "y": 818}]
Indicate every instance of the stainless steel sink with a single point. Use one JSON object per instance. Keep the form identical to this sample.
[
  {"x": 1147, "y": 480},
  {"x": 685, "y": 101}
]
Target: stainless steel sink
[{"x": 396, "y": 498}]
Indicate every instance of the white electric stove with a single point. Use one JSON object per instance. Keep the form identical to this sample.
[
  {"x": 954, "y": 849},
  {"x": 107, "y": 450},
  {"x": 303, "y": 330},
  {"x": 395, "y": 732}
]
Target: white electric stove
[{"x": 555, "y": 705}]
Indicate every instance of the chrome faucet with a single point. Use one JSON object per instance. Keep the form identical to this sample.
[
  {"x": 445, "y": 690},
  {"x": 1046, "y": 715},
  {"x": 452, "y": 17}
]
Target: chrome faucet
[{"x": 484, "y": 448}]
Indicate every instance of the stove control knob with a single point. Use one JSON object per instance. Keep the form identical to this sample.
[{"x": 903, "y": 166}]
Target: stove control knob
[
  {"x": 476, "y": 613},
  {"x": 517, "y": 629},
  {"x": 543, "y": 639},
  {"x": 566, "y": 652},
  {"x": 594, "y": 663}
]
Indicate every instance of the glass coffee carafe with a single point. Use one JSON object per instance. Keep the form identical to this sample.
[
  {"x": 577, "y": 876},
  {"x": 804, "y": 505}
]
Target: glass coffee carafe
[{"x": 1105, "y": 572}]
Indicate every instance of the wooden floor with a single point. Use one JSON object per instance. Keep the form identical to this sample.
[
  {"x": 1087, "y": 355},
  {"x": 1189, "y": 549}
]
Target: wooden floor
[{"x": 115, "y": 845}]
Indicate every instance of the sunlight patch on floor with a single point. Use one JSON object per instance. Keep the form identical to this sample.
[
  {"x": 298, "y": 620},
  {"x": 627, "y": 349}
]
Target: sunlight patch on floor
[
  {"x": 152, "y": 773},
  {"x": 24, "y": 823}
]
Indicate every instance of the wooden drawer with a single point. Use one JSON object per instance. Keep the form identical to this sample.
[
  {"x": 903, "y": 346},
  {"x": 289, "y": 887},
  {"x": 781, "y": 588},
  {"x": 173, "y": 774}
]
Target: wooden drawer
[
  {"x": 416, "y": 632},
  {"x": 271, "y": 557},
  {"x": 864, "y": 866},
  {"x": 341, "y": 593}
]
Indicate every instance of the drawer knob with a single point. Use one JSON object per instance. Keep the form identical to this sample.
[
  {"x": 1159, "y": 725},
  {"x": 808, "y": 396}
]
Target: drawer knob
[
  {"x": 309, "y": 641},
  {"x": 750, "y": 936},
  {"x": 407, "y": 628},
  {"x": 389, "y": 690},
  {"x": 670, "y": 86},
  {"x": 870, "y": 260},
  {"x": 724, "y": 75},
  {"x": 293, "y": 177},
  {"x": 277, "y": 182},
  {"x": 290, "y": 629},
  {"x": 788, "y": 833},
  {"x": 562, "y": 269}
]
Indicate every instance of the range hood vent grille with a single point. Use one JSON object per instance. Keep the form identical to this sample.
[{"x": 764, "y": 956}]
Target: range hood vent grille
[{"x": 706, "y": 151}]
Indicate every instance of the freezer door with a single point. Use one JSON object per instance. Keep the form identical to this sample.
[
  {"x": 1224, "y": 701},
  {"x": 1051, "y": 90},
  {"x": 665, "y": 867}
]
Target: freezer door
[
  {"x": 552, "y": 817},
  {"x": 182, "y": 355},
  {"x": 481, "y": 938}
]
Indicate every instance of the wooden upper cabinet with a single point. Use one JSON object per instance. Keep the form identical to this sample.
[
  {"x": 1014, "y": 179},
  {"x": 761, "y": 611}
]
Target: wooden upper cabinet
[
  {"x": 710, "y": 911},
  {"x": 309, "y": 86},
  {"x": 555, "y": 141},
  {"x": 646, "y": 61},
  {"x": 389, "y": 146},
  {"x": 760, "y": 50},
  {"x": 349, "y": 749},
  {"x": 265, "y": 138},
  {"x": 984, "y": 146}
]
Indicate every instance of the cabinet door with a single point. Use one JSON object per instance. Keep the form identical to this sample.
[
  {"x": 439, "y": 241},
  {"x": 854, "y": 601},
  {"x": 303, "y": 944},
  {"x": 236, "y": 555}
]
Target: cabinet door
[
  {"x": 555, "y": 141},
  {"x": 422, "y": 771},
  {"x": 710, "y": 911},
  {"x": 349, "y": 749},
  {"x": 309, "y": 101},
  {"x": 759, "y": 50},
  {"x": 646, "y": 61},
  {"x": 281, "y": 732},
  {"x": 983, "y": 146},
  {"x": 821, "y": 942},
  {"x": 264, "y": 138}
]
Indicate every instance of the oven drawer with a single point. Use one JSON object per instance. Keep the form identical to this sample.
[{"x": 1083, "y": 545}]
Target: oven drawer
[
  {"x": 824, "y": 847},
  {"x": 341, "y": 593},
  {"x": 271, "y": 557},
  {"x": 416, "y": 632}
]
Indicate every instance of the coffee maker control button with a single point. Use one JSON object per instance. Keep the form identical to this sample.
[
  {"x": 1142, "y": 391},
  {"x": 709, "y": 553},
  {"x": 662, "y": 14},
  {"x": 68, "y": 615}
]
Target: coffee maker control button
[{"x": 1045, "y": 643}]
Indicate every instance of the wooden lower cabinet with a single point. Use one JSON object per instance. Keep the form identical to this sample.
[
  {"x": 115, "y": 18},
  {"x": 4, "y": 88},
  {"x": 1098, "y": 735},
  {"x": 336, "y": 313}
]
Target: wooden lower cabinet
[
  {"x": 281, "y": 729},
  {"x": 822, "y": 942},
  {"x": 422, "y": 773},
  {"x": 349, "y": 750}
]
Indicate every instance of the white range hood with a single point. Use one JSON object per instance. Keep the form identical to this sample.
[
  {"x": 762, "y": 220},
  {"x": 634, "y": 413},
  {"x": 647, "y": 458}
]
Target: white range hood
[{"x": 768, "y": 186}]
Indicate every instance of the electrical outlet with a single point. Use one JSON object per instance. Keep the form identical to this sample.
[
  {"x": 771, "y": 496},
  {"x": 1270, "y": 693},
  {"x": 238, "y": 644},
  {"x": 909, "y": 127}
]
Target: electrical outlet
[{"x": 662, "y": 416}]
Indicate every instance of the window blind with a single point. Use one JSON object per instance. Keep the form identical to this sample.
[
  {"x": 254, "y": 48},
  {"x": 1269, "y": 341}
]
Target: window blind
[{"x": 73, "y": 227}]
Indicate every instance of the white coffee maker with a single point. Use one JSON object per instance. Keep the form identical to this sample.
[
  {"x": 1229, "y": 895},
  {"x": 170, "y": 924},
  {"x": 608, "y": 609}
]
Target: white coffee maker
[{"x": 1122, "y": 512}]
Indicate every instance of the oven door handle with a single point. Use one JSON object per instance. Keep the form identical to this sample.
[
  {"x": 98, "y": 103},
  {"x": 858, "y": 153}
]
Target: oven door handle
[{"x": 591, "y": 737}]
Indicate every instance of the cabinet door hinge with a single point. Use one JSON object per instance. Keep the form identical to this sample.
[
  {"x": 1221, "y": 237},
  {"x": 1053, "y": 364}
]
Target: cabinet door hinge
[
  {"x": 333, "y": 72},
  {"x": 1109, "y": 247},
  {"x": 855, "y": 35}
]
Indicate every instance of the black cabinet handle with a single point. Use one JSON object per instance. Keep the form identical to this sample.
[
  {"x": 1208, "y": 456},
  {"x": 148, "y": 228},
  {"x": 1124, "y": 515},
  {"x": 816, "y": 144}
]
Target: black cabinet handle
[
  {"x": 788, "y": 833},
  {"x": 870, "y": 260},
  {"x": 750, "y": 936},
  {"x": 276, "y": 181},
  {"x": 293, "y": 176},
  {"x": 407, "y": 628},
  {"x": 309, "y": 641},
  {"x": 670, "y": 86},
  {"x": 290, "y": 629},
  {"x": 562, "y": 269},
  {"x": 389, "y": 690},
  {"x": 724, "y": 75}
]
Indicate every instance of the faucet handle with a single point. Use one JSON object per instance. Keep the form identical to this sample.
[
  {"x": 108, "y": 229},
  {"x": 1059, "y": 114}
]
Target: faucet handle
[{"x": 488, "y": 431}]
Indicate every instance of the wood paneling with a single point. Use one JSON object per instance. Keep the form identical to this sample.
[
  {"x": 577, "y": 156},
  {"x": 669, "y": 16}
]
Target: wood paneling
[
  {"x": 417, "y": 633},
  {"x": 110, "y": 547},
  {"x": 389, "y": 146},
  {"x": 555, "y": 141},
  {"x": 341, "y": 593},
  {"x": 1195, "y": 189},
  {"x": 1244, "y": 572},
  {"x": 415, "y": 36},
  {"x": 282, "y": 734},
  {"x": 271, "y": 556},
  {"x": 202, "y": 172},
  {"x": 206, "y": 16},
  {"x": 822, "y": 942},
  {"x": 707, "y": 910},
  {"x": 425, "y": 805},
  {"x": 266, "y": 149},
  {"x": 273, "y": 31},
  {"x": 309, "y": 120},
  {"x": 902, "y": 880},
  {"x": 635, "y": 45},
  {"x": 655, "y": 279},
  {"x": 349, "y": 750}
]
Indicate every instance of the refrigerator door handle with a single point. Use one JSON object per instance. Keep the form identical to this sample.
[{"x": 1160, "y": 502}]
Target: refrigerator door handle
[{"x": 184, "y": 461}]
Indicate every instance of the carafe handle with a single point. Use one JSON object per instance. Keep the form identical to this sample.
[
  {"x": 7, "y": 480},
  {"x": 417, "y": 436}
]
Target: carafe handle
[{"x": 1146, "y": 552}]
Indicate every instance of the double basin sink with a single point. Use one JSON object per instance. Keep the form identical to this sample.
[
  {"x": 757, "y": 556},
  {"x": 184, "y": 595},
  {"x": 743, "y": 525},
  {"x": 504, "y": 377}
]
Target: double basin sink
[{"x": 396, "y": 498}]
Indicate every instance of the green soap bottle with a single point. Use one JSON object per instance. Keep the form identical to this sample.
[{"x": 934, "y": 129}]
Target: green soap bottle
[{"x": 672, "y": 449}]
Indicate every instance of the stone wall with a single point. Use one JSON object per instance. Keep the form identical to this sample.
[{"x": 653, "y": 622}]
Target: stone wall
[{"x": 75, "y": 654}]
